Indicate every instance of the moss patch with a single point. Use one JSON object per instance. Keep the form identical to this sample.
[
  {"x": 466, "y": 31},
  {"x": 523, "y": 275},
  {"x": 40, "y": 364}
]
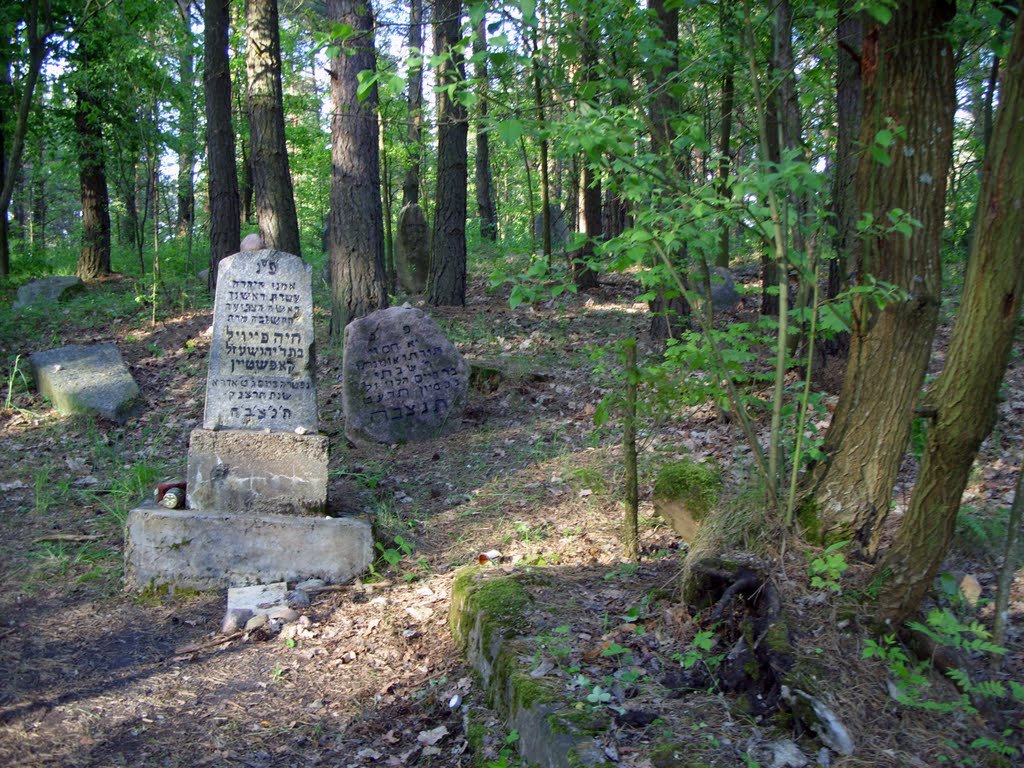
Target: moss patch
[{"x": 698, "y": 486}]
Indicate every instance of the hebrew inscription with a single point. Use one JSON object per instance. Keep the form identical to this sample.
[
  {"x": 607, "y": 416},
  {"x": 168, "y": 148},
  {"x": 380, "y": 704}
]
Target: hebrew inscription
[
  {"x": 403, "y": 380},
  {"x": 261, "y": 359}
]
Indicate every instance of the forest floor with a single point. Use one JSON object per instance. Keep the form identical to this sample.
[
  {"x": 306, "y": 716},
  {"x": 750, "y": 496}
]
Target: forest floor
[{"x": 93, "y": 676}]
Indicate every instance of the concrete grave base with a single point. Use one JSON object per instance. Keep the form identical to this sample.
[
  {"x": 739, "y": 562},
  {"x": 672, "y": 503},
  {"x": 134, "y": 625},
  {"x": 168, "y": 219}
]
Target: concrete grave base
[
  {"x": 257, "y": 472},
  {"x": 207, "y": 550}
]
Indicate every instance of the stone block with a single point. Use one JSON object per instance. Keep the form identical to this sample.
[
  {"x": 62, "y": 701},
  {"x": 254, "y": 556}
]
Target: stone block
[
  {"x": 201, "y": 550},
  {"x": 237, "y": 471},
  {"x": 88, "y": 379},
  {"x": 412, "y": 249},
  {"x": 48, "y": 290}
]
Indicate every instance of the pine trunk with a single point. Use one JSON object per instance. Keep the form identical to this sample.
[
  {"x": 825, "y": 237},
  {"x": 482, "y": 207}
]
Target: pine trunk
[
  {"x": 447, "y": 280},
  {"x": 964, "y": 397},
  {"x": 907, "y": 70},
  {"x": 187, "y": 124},
  {"x": 94, "y": 257},
  {"x": 356, "y": 228},
  {"x": 484, "y": 195},
  {"x": 411, "y": 183},
  {"x": 272, "y": 181}
]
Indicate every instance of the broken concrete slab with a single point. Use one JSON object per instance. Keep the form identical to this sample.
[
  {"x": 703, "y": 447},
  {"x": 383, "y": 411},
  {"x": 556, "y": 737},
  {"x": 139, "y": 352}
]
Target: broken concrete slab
[
  {"x": 198, "y": 550},
  {"x": 48, "y": 290},
  {"x": 259, "y": 598},
  {"x": 257, "y": 472},
  {"x": 87, "y": 379}
]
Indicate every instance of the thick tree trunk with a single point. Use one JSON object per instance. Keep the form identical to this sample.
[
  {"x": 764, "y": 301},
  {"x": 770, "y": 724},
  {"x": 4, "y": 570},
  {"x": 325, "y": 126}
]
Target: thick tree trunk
[
  {"x": 447, "y": 280},
  {"x": 186, "y": 125},
  {"x": 356, "y": 229},
  {"x": 964, "y": 397},
  {"x": 845, "y": 242},
  {"x": 272, "y": 181},
  {"x": 484, "y": 196},
  {"x": 222, "y": 174},
  {"x": 907, "y": 69},
  {"x": 411, "y": 183},
  {"x": 94, "y": 257}
]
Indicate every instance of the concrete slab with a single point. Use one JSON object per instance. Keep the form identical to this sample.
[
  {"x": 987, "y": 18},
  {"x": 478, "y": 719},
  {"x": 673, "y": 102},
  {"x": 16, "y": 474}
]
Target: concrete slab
[
  {"x": 257, "y": 472},
  {"x": 259, "y": 598},
  {"x": 205, "y": 550},
  {"x": 87, "y": 378}
]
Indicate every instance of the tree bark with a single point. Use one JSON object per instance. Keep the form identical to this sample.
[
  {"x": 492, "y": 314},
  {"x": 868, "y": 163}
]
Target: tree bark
[
  {"x": 272, "y": 181},
  {"x": 94, "y": 256},
  {"x": 187, "y": 124},
  {"x": 964, "y": 396},
  {"x": 907, "y": 70},
  {"x": 38, "y": 27},
  {"x": 670, "y": 310},
  {"x": 222, "y": 174},
  {"x": 356, "y": 228},
  {"x": 447, "y": 279},
  {"x": 484, "y": 197},
  {"x": 411, "y": 183},
  {"x": 845, "y": 242}
]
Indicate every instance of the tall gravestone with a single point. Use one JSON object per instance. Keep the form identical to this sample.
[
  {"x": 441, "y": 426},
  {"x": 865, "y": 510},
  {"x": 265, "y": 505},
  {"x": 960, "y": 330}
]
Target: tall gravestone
[
  {"x": 412, "y": 249},
  {"x": 402, "y": 380},
  {"x": 257, "y": 469}
]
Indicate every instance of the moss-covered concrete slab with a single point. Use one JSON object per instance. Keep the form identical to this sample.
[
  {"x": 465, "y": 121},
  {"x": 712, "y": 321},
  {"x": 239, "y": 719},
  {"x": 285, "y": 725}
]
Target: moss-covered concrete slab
[{"x": 488, "y": 619}]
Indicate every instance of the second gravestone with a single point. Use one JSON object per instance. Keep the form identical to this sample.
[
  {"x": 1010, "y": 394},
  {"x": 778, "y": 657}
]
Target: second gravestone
[{"x": 403, "y": 381}]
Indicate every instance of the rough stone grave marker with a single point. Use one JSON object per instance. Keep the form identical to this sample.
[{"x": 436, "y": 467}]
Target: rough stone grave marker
[
  {"x": 89, "y": 378},
  {"x": 402, "y": 380},
  {"x": 412, "y": 249}
]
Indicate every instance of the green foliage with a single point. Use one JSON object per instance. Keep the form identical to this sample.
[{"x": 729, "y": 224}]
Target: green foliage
[
  {"x": 827, "y": 568},
  {"x": 913, "y": 686}
]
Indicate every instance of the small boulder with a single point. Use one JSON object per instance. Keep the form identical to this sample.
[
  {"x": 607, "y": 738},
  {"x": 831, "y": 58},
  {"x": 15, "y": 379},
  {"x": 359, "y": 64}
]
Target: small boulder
[{"x": 48, "y": 290}]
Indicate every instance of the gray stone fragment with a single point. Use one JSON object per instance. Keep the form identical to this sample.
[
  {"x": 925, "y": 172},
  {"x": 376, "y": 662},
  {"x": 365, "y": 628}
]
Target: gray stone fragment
[
  {"x": 257, "y": 621},
  {"x": 559, "y": 228},
  {"x": 262, "y": 356},
  {"x": 412, "y": 249},
  {"x": 283, "y": 614},
  {"x": 402, "y": 380},
  {"x": 257, "y": 472},
  {"x": 310, "y": 584},
  {"x": 235, "y": 619},
  {"x": 48, "y": 290},
  {"x": 820, "y": 719},
  {"x": 89, "y": 379},
  {"x": 199, "y": 550},
  {"x": 259, "y": 598},
  {"x": 723, "y": 288},
  {"x": 297, "y": 599}
]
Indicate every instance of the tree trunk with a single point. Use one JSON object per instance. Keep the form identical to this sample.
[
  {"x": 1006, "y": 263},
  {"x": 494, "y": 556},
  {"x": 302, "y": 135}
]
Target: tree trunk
[
  {"x": 94, "y": 257},
  {"x": 411, "y": 183},
  {"x": 907, "y": 70},
  {"x": 447, "y": 279},
  {"x": 356, "y": 228},
  {"x": 845, "y": 213},
  {"x": 272, "y": 181},
  {"x": 38, "y": 25},
  {"x": 222, "y": 181},
  {"x": 484, "y": 196},
  {"x": 583, "y": 276},
  {"x": 964, "y": 396},
  {"x": 724, "y": 139},
  {"x": 187, "y": 124},
  {"x": 670, "y": 310}
]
